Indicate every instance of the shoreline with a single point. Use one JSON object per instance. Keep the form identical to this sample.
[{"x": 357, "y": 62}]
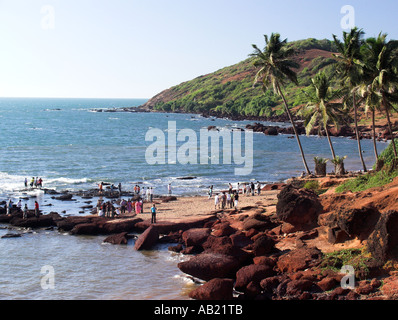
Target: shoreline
[
  {"x": 261, "y": 243},
  {"x": 365, "y": 131}
]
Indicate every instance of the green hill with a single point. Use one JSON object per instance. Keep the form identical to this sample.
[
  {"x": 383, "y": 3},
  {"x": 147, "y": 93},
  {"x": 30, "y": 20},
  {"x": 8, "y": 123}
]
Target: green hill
[{"x": 230, "y": 92}]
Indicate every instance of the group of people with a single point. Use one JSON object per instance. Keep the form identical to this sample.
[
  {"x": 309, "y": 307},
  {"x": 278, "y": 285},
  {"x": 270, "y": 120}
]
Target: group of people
[
  {"x": 34, "y": 182},
  {"x": 250, "y": 189},
  {"x": 230, "y": 198},
  {"x": 226, "y": 200},
  {"x": 107, "y": 209},
  {"x": 10, "y": 205}
]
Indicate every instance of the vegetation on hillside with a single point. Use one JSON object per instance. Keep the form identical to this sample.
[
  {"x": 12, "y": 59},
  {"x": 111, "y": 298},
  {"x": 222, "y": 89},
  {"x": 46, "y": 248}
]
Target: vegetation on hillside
[{"x": 230, "y": 91}]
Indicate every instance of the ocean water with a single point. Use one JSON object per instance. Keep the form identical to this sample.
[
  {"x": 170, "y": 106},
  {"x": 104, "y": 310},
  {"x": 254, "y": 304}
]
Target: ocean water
[{"x": 72, "y": 146}]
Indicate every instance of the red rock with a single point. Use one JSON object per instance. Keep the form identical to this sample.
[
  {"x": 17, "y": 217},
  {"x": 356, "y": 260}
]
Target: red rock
[
  {"x": 215, "y": 289},
  {"x": 223, "y": 229},
  {"x": 271, "y": 283},
  {"x": 240, "y": 240},
  {"x": 300, "y": 259},
  {"x": 263, "y": 245},
  {"x": 364, "y": 288},
  {"x": 85, "y": 229},
  {"x": 264, "y": 260},
  {"x": 250, "y": 273},
  {"x": 390, "y": 287},
  {"x": 120, "y": 238},
  {"x": 299, "y": 207},
  {"x": 195, "y": 236},
  {"x": 296, "y": 287},
  {"x": 147, "y": 239},
  {"x": 207, "y": 266},
  {"x": 327, "y": 283}
]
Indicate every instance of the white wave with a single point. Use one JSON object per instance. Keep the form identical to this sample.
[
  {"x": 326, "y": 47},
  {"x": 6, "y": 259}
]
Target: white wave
[{"x": 63, "y": 180}]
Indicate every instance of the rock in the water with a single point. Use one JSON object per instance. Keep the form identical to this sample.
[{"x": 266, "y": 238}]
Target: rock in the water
[
  {"x": 120, "y": 238},
  {"x": 147, "y": 239}
]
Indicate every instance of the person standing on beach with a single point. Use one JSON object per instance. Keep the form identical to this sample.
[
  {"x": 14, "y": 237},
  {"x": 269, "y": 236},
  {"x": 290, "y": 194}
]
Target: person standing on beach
[
  {"x": 258, "y": 188},
  {"x": 229, "y": 203},
  {"x": 236, "y": 200},
  {"x": 26, "y": 182},
  {"x": 129, "y": 206},
  {"x": 120, "y": 189},
  {"x": 37, "y": 212},
  {"x": 32, "y": 181},
  {"x": 137, "y": 207},
  {"x": 169, "y": 188},
  {"x": 153, "y": 211},
  {"x": 210, "y": 191},
  {"x": 252, "y": 188},
  {"x": 216, "y": 202},
  {"x": 223, "y": 200},
  {"x": 123, "y": 206}
]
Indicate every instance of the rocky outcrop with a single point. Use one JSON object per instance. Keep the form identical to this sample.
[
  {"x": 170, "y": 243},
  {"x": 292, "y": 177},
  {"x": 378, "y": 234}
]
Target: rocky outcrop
[
  {"x": 207, "y": 266},
  {"x": 383, "y": 242},
  {"x": 298, "y": 207},
  {"x": 215, "y": 289},
  {"x": 147, "y": 239},
  {"x": 300, "y": 259}
]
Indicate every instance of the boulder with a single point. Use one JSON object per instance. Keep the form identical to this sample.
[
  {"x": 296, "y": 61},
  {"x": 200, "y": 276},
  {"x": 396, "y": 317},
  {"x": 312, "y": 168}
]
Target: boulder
[
  {"x": 240, "y": 240},
  {"x": 215, "y": 289},
  {"x": 390, "y": 287},
  {"x": 263, "y": 245},
  {"x": 208, "y": 265},
  {"x": 86, "y": 229},
  {"x": 300, "y": 259},
  {"x": 195, "y": 236},
  {"x": 296, "y": 287},
  {"x": 250, "y": 273},
  {"x": 120, "y": 238},
  {"x": 383, "y": 242},
  {"x": 147, "y": 239},
  {"x": 299, "y": 207},
  {"x": 223, "y": 229},
  {"x": 43, "y": 221}
]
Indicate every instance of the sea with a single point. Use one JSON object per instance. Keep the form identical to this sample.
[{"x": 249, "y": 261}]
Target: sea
[{"x": 74, "y": 144}]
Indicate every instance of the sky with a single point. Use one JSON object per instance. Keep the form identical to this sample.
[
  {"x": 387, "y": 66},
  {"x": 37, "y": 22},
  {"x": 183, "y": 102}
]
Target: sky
[{"x": 137, "y": 48}]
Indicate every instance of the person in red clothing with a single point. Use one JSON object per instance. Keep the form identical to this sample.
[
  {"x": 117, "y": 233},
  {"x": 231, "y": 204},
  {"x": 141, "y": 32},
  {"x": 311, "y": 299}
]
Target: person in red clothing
[{"x": 37, "y": 213}]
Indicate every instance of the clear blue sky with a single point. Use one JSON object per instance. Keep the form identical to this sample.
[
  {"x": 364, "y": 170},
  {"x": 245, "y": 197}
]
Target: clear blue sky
[{"x": 137, "y": 48}]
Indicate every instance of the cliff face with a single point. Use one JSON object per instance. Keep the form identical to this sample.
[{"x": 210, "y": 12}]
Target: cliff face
[{"x": 230, "y": 91}]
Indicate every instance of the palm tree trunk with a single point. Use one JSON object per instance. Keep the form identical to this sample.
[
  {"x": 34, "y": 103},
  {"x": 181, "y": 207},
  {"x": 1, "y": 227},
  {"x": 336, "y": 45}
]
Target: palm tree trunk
[
  {"x": 374, "y": 135},
  {"x": 357, "y": 132},
  {"x": 330, "y": 142},
  {"x": 389, "y": 125},
  {"x": 294, "y": 128}
]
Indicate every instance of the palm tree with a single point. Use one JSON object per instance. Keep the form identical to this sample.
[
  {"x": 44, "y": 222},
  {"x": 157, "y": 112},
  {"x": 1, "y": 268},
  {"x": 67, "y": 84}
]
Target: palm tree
[
  {"x": 275, "y": 68},
  {"x": 349, "y": 52},
  {"x": 372, "y": 104},
  {"x": 320, "y": 110},
  {"x": 381, "y": 65}
]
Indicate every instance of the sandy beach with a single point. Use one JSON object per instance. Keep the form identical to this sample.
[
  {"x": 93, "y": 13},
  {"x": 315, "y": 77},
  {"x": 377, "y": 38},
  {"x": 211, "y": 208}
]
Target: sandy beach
[{"x": 191, "y": 208}]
